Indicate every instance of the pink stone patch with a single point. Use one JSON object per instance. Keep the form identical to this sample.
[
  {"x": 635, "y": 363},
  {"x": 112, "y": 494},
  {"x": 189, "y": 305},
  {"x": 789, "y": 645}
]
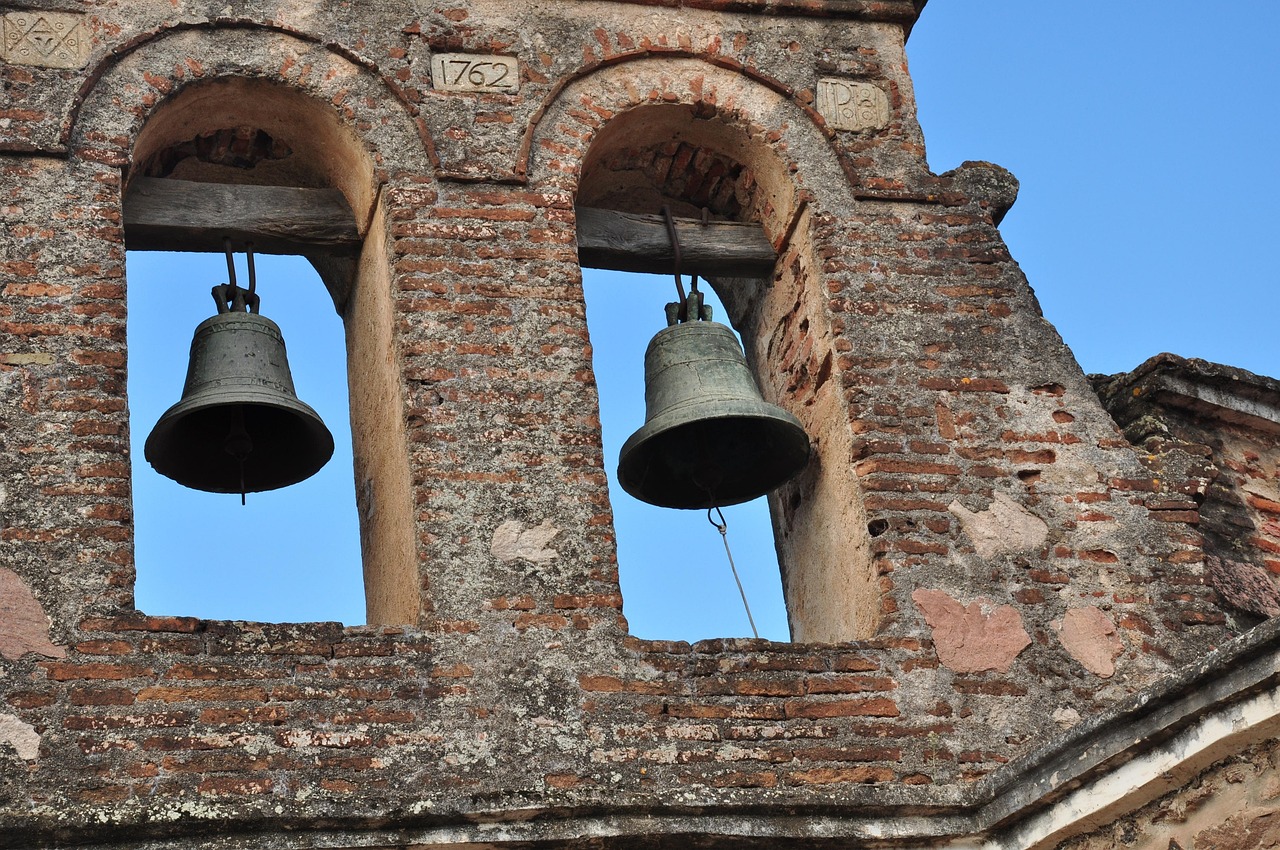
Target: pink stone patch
[
  {"x": 975, "y": 637},
  {"x": 1091, "y": 638},
  {"x": 23, "y": 625}
]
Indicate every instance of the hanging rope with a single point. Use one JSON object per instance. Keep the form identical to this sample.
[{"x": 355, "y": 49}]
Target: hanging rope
[{"x": 723, "y": 528}]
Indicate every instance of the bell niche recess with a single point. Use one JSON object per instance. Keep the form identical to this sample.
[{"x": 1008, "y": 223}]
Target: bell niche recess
[
  {"x": 237, "y": 164},
  {"x": 744, "y": 225}
]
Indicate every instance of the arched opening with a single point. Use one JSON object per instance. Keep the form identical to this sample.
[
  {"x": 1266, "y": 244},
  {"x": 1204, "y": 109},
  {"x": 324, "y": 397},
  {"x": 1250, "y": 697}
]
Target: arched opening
[
  {"x": 693, "y": 159},
  {"x": 264, "y": 164}
]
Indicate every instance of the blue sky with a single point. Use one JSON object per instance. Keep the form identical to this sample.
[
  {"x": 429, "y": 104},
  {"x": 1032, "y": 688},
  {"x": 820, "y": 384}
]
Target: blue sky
[{"x": 1144, "y": 138}]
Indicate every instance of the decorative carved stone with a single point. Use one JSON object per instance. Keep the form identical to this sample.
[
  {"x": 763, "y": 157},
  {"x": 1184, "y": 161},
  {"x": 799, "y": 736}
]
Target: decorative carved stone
[
  {"x": 850, "y": 105},
  {"x": 46, "y": 39}
]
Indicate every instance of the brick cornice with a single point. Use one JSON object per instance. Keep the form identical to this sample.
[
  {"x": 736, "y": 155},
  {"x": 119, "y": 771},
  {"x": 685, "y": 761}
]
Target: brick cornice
[{"x": 904, "y": 12}]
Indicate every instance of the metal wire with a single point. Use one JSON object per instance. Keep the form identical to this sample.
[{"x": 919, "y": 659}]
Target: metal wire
[{"x": 723, "y": 527}]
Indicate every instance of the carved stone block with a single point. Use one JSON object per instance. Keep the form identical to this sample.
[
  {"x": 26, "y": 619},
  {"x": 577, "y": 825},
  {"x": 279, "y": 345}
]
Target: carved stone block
[
  {"x": 475, "y": 72},
  {"x": 850, "y": 105},
  {"x": 46, "y": 39}
]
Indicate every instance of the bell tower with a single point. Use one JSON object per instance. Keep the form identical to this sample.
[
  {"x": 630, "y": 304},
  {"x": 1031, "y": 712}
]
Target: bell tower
[{"x": 972, "y": 553}]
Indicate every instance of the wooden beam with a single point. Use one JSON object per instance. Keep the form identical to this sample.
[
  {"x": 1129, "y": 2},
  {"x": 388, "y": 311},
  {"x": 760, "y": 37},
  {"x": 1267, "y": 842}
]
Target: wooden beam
[
  {"x": 632, "y": 242},
  {"x": 179, "y": 215}
]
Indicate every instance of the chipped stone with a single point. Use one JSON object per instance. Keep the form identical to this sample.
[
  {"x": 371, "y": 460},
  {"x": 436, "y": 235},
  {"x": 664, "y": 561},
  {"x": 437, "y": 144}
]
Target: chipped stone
[
  {"x": 512, "y": 540},
  {"x": 975, "y": 637},
  {"x": 23, "y": 625},
  {"x": 1243, "y": 586},
  {"x": 1066, "y": 717},
  {"x": 20, "y": 735},
  {"x": 1255, "y": 828},
  {"x": 1090, "y": 636}
]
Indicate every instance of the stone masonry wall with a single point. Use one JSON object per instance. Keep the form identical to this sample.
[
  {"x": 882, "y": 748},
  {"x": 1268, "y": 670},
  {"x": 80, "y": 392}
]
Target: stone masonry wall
[{"x": 1026, "y": 569}]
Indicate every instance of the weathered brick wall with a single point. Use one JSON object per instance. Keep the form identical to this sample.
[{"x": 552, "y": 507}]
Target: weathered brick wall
[{"x": 1022, "y": 567}]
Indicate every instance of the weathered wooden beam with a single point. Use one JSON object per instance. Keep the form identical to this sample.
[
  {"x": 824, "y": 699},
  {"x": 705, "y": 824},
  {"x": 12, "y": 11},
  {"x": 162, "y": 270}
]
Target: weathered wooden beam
[
  {"x": 639, "y": 243},
  {"x": 179, "y": 215}
]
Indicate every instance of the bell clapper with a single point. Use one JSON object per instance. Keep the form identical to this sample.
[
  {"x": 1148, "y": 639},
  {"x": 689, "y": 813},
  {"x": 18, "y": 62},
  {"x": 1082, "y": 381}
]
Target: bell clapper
[
  {"x": 723, "y": 527},
  {"x": 238, "y": 444}
]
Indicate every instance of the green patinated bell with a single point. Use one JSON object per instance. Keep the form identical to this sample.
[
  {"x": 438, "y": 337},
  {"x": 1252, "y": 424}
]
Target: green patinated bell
[
  {"x": 709, "y": 439},
  {"x": 239, "y": 427}
]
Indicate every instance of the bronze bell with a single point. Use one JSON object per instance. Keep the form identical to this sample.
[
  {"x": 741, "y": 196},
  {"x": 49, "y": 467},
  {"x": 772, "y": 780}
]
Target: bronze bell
[
  {"x": 709, "y": 439},
  {"x": 239, "y": 427}
]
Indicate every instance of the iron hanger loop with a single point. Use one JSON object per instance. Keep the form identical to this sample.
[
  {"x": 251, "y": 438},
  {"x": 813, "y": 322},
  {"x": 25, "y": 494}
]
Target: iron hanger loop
[
  {"x": 689, "y": 307},
  {"x": 675, "y": 249},
  {"x": 229, "y": 297}
]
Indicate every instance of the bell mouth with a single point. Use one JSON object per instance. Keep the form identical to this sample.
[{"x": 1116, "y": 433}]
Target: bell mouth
[
  {"x": 288, "y": 442},
  {"x": 239, "y": 427},
  {"x": 692, "y": 458}
]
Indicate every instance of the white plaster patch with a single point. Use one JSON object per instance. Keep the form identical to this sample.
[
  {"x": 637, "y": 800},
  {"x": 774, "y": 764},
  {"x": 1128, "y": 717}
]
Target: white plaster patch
[
  {"x": 512, "y": 540},
  {"x": 22, "y": 736},
  {"x": 1005, "y": 527}
]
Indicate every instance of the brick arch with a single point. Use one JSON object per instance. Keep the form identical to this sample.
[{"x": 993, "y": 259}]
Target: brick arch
[
  {"x": 122, "y": 92},
  {"x": 640, "y": 176},
  {"x": 761, "y": 122},
  {"x": 636, "y": 64}
]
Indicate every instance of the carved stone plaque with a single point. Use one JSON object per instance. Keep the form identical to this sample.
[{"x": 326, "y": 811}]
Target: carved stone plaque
[
  {"x": 475, "y": 72},
  {"x": 850, "y": 105},
  {"x": 47, "y": 39}
]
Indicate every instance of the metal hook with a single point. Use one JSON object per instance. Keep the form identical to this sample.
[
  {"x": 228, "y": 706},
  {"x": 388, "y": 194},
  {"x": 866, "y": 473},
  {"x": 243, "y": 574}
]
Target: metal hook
[
  {"x": 253, "y": 278},
  {"x": 229, "y": 297},
  {"x": 721, "y": 526},
  {"x": 231, "y": 262}
]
